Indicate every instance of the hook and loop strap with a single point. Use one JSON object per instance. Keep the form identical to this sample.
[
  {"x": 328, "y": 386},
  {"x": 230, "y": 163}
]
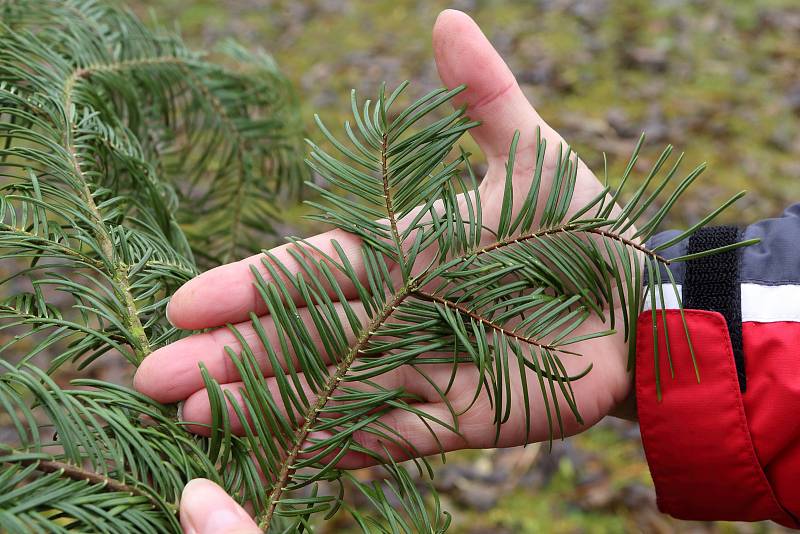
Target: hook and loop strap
[{"x": 713, "y": 283}]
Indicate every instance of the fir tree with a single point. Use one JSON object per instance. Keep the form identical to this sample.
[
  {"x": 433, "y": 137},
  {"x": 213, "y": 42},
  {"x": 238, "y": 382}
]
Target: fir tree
[{"x": 129, "y": 160}]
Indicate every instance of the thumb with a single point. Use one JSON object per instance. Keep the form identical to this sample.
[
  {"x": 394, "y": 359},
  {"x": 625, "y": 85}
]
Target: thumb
[
  {"x": 465, "y": 56},
  {"x": 207, "y": 509}
]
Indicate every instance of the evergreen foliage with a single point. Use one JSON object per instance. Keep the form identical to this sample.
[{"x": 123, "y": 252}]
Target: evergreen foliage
[{"x": 128, "y": 159}]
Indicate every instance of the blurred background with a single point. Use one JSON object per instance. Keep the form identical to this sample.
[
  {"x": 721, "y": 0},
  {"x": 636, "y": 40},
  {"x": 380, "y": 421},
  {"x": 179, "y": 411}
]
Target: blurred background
[{"x": 719, "y": 80}]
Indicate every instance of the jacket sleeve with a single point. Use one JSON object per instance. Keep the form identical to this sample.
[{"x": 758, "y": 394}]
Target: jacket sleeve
[{"x": 722, "y": 437}]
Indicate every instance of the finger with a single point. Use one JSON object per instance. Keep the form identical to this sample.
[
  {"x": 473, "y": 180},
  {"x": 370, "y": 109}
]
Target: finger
[
  {"x": 197, "y": 408},
  {"x": 172, "y": 373},
  {"x": 207, "y": 509},
  {"x": 465, "y": 56},
  {"x": 398, "y": 433},
  {"x": 431, "y": 429},
  {"x": 402, "y": 435},
  {"x": 226, "y": 294}
]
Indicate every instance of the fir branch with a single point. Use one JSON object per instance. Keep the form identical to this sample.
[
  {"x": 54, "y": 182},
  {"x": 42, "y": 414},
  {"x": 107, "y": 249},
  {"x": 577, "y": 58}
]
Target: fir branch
[
  {"x": 476, "y": 317},
  {"x": 58, "y": 248},
  {"x": 86, "y": 72},
  {"x": 117, "y": 270},
  {"x": 96, "y": 109},
  {"x": 387, "y": 192},
  {"x": 405, "y": 167},
  {"x": 566, "y": 228},
  {"x": 630, "y": 243},
  {"x": 238, "y": 203},
  {"x": 79, "y": 473},
  {"x": 323, "y": 397}
]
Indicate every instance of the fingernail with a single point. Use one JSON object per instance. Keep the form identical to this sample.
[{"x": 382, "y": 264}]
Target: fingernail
[{"x": 167, "y": 313}]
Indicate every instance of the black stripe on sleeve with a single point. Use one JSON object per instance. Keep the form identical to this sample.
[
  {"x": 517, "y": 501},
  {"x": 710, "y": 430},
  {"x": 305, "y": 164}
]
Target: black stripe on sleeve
[{"x": 713, "y": 283}]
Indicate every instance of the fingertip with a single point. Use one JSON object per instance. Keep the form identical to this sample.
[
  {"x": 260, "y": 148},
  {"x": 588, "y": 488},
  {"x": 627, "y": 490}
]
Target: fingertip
[
  {"x": 206, "y": 508},
  {"x": 154, "y": 378},
  {"x": 174, "y": 372},
  {"x": 448, "y": 16},
  {"x": 177, "y": 306},
  {"x": 165, "y": 377},
  {"x": 220, "y": 295},
  {"x": 167, "y": 312},
  {"x": 464, "y": 54},
  {"x": 194, "y": 487},
  {"x": 445, "y": 32},
  {"x": 197, "y": 409},
  {"x": 141, "y": 379}
]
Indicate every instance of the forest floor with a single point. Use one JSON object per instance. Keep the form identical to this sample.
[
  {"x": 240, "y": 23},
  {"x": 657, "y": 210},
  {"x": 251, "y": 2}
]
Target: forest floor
[{"x": 717, "y": 79}]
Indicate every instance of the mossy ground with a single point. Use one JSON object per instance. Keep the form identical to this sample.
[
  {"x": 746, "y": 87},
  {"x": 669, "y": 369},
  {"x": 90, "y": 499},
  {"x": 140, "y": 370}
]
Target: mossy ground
[{"x": 718, "y": 79}]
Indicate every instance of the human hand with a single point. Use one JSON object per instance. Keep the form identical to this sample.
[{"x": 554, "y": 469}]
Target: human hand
[{"x": 226, "y": 294}]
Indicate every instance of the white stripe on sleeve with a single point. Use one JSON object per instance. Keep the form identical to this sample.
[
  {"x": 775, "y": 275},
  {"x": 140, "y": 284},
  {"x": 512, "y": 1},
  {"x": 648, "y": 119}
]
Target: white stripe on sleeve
[{"x": 760, "y": 303}]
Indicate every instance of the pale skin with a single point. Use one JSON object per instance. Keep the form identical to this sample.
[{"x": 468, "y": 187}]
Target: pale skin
[{"x": 226, "y": 295}]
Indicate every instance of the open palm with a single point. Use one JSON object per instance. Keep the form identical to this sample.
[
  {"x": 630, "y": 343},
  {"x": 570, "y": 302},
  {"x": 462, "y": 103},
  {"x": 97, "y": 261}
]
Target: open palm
[{"x": 226, "y": 294}]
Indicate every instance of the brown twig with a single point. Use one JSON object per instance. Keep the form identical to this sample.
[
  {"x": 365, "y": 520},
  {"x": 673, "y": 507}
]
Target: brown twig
[{"x": 78, "y": 473}]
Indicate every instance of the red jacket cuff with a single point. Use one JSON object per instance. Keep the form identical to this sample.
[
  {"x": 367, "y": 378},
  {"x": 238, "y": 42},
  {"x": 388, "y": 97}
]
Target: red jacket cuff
[{"x": 696, "y": 438}]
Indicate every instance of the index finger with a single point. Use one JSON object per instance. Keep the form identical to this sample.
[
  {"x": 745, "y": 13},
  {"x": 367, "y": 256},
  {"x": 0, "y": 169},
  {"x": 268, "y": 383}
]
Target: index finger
[{"x": 226, "y": 294}]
